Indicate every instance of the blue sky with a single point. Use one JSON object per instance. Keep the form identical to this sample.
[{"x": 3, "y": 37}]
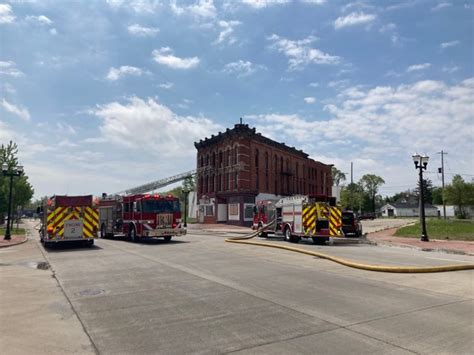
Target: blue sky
[{"x": 106, "y": 95}]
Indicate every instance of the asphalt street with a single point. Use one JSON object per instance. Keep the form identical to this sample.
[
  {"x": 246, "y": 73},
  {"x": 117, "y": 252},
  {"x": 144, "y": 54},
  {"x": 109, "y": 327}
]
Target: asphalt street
[{"x": 198, "y": 294}]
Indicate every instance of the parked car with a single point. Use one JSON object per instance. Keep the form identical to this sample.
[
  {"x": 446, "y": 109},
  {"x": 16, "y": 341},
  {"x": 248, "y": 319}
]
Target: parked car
[
  {"x": 367, "y": 215},
  {"x": 351, "y": 225}
]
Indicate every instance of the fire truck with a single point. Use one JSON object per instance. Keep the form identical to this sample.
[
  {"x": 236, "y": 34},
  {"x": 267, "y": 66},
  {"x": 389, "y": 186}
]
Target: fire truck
[
  {"x": 69, "y": 218},
  {"x": 263, "y": 213},
  {"x": 296, "y": 217},
  {"x": 140, "y": 215}
]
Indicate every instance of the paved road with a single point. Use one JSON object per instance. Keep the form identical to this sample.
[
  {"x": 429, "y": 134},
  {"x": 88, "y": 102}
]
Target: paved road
[{"x": 201, "y": 295}]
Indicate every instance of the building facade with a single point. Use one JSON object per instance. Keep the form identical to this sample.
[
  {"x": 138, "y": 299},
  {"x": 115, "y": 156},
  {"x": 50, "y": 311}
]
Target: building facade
[{"x": 238, "y": 167}]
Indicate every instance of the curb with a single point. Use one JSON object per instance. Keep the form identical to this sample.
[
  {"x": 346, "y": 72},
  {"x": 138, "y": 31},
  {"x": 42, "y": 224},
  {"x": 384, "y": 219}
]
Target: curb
[
  {"x": 442, "y": 250},
  {"x": 15, "y": 243}
]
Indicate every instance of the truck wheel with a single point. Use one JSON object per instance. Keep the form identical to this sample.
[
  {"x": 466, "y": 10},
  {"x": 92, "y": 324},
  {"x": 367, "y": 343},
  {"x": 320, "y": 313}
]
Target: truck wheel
[
  {"x": 167, "y": 238},
  {"x": 287, "y": 234},
  {"x": 320, "y": 241},
  {"x": 295, "y": 239},
  {"x": 103, "y": 232},
  {"x": 132, "y": 234},
  {"x": 90, "y": 243}
]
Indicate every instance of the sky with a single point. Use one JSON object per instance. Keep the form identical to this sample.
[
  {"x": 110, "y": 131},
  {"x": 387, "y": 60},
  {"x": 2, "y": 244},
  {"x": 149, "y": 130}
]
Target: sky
[{"x": 105, "y": 95}]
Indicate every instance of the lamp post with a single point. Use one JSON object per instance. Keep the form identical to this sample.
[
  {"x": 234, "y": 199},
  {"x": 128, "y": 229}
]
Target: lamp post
[
  {"x": 186, "y": 192},
  {"x": 18, "y": 171},
  {"x": 421, "y": 162}
]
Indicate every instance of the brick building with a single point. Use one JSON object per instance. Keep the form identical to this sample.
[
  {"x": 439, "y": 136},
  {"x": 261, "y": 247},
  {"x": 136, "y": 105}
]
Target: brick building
[{"x": 238, "y": 167}]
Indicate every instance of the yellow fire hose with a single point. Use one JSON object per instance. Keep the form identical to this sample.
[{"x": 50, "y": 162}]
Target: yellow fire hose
[{"x": 379, "y": 268}]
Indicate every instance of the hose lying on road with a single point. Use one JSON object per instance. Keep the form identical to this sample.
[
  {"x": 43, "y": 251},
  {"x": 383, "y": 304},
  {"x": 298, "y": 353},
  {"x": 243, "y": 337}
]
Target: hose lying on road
[{"x": 378, "y": 268}]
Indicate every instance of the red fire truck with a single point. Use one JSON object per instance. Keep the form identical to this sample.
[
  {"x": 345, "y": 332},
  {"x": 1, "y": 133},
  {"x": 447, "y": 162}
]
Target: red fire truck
[
  {"x": 140, "y": 215},
  {"x": 296, "y": 217}
]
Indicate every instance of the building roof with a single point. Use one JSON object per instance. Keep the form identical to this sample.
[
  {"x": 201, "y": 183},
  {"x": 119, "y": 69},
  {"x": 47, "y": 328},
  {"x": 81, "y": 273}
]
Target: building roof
[{"x": 243, "y": 130}]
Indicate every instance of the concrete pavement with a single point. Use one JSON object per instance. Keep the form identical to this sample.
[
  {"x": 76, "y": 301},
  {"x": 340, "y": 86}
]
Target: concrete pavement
[
  {"x": 36, "y": 316},
  {"x": 379, "y": 231}
]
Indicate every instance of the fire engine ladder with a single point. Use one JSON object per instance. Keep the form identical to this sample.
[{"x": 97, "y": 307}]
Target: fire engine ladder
[{"x": 157, "y": 184}]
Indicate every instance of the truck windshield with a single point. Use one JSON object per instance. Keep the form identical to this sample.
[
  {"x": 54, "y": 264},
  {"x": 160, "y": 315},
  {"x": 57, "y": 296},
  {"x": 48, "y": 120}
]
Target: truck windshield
[{"x": 157, "y": 206}]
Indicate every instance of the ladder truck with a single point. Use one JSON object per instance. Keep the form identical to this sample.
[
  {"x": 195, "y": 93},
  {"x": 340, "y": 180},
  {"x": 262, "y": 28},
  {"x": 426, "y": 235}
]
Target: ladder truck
[{"x": 139, "y": 216}]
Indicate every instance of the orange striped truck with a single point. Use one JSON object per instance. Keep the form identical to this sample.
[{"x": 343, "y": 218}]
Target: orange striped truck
[
  {"x": 301, "y": 216},
  {"x": 68, "y": 219}
]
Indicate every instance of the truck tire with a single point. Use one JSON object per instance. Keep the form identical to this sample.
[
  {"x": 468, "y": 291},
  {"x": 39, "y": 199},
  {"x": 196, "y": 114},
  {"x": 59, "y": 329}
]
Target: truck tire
[
  {"x": 132, "y": 234},
  {"x": 287, "y": 234},
  {"x": 320, "y": 240},
  {"x": 295, "y": 239},
  {"x": 167, "y": 238}
]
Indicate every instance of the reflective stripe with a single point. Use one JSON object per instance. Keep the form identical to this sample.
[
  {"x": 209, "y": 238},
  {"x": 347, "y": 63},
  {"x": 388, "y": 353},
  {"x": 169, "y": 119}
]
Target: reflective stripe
[
  {"x": 309, "y": 219},
  {"x": 335, "y": 220}
]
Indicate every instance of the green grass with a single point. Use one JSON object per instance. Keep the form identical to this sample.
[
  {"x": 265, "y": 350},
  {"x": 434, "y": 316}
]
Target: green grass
[
  {"x": 441, "y": 229},
  {"x": 19, "y": 231}
]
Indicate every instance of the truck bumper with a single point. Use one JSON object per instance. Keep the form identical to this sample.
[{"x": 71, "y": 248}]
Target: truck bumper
[{"x": 175, "y": 232}]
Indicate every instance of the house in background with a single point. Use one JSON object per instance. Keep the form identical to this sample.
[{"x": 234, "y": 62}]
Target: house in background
[{"x": 399, "y": 209}]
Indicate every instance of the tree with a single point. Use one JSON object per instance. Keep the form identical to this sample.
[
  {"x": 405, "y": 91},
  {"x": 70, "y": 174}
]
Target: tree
[
  {"x": 437, "y": 196},
  {"x": 427, "y": 191},
  {"x": 370, "y": 184},
  {"x": 337, "y": 176},
  {"x": 22, "y": 191},
  {"x": 460, "y": 194},
  {"x": 352, "y": 197}
]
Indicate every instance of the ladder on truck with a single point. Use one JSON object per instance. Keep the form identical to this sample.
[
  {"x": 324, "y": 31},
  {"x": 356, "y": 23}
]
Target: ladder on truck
[{"x": 154, "y": 185}]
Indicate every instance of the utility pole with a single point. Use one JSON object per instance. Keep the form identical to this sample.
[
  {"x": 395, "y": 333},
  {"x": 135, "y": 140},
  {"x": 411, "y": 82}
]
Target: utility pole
[
  {"x": 442, "y": 182},
  {"x": 352, "y": 173}
]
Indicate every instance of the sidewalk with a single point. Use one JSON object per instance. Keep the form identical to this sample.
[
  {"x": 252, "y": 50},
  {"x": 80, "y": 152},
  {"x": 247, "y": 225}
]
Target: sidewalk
[
  {"x": 448, "y": 246},
  {"x": 36, "y": 317}
]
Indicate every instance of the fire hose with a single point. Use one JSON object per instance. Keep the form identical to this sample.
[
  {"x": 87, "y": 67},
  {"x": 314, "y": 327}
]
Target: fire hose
[{"x": 345, "y": 262}]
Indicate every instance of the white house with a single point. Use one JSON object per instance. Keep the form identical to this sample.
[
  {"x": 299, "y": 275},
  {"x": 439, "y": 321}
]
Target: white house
[{"x": 407, "y": 210}]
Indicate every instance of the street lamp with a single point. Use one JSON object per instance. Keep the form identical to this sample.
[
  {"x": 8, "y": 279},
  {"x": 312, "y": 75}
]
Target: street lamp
[
  {"x": 18, "y": 171},
  {"x": 186, "y": 193},
  {"x": 421, "y": 162}
]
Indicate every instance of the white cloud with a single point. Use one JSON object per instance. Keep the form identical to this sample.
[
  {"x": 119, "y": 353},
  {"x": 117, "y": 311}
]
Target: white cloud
[
  {"x": 354, "y": 18},
  {"x": 386, "y": 124},
  {"x": 42, "y": 20},
  {"x": 16, "y": 110},
  {"x": 165, "y": 56},
  {"x": 201, "y": 9},
  {"x": 117, "y": 73},
  {"x": 314, "y": 85},
  {"x": 6, "y": 14},
  {"x": 227, "y": 31},
  {"x": 300, "y": 53},
  {"x": 9, "y": 68},
  {"x": 450, "y": 69},
  {"x": 309, "y": 100},
  {"x": 166, "y": 85},
  {"x": 139, "y": 6},
  {"x": 417, "y": 67},
  {"x": 315, "y": 2},
  {"x": 53, "y": 31},
  {"x": 445, "y": 45},
  {"x": 260, "y": 4},
  {"x": 162, "y": 132},
  {"x": 241, "y": 68},
  {"x": 142, "y": 31},
  {"x": 441, "y": 5}
]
